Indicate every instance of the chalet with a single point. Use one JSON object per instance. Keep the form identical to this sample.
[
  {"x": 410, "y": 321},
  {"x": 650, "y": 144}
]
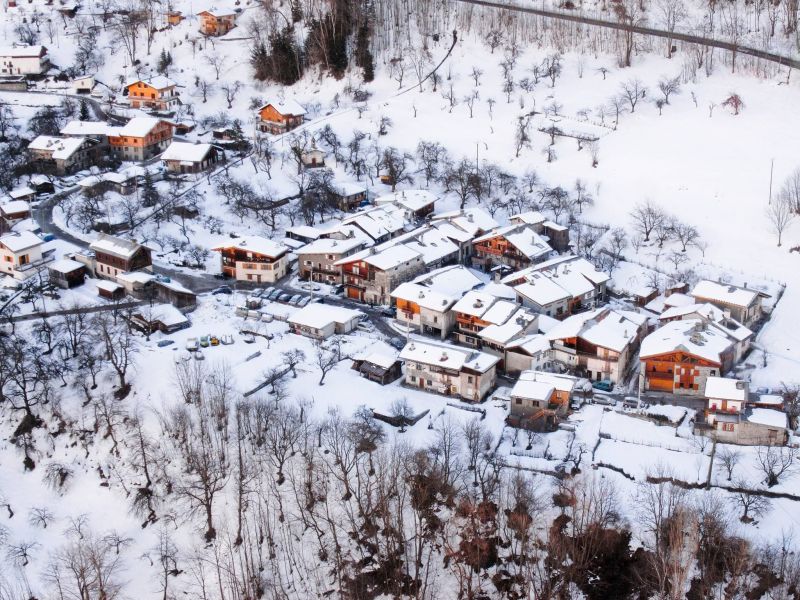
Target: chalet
[
  {"x": 279, "y": 117},
  {"x": 83, "y": 84},
  {"x": 437, "y": 250},
  {"x": 63, "y": 155},
  {"x": 449, "y": 370},
  {"x": 66, "y": 273},
  {"x": 20, "y": 253},
  {"x": 12, "y": 213},
  {"x": 23, "y": 60},
  {"x": 182, "y": 157},
  {"x": 370, "y": 275},
  {"x": 173, "y": 292},
  {"x": 513, "y": 247},
  {"x": 743, "y": 304},
  {"x": 598, "y": 344},
  {"x": 318, "y": 260},
  {"x": 141, "y": 138},
  {"x": 538, "y": 399},
  {"x": 729, "y": 418},
  {"x": 99, "y": 130},
  {"x": 497, "y": 337},
  {"x": 529, "y": 352},
  {"x": 417, "y": 204},
  {"x": 560, "y": 286},
  {"x": 216, "y": 22},
  {"x": 469, "y": 312},
  {"x": 174, "y": 17},
  {"x": 709, "y": 313},
  {"x": 157, "y": 93},
  {"x": 679, "y": 356},
  {"x": 349, "y": 196},
  {"x": 557, "y": 235},
  {"x": 25, "y": 193},
  {"x": 380, "y": 223},
  {"x": 321, "y": 321},
  {"x": 253, "y": 258},
  {"x": 159, "y": 317},
  {"x": 380, "y": 368},
  {"x": 114, "y": 255}
]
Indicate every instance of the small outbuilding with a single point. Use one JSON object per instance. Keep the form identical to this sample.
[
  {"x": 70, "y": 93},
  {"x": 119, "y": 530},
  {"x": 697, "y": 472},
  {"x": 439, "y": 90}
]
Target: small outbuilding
[
  {"x": 66, "y": 273},
  {"x": 380, "y": 368}
]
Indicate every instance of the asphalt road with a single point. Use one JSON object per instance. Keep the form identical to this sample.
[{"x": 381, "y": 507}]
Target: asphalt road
[{"x": 576, "y": 17}]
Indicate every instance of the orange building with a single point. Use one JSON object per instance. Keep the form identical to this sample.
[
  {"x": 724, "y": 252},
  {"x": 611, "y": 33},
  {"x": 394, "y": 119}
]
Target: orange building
[
  {"x": 141, "y": 138},
  {"x": 216, "y": 22},
  {"x": 680, "y": 356},
  {"x": 513, "y": 246},
  {"x": 280, "y": 117},
  {"x": 174, "y": 17},
  {"x": 157, "y": 93}
]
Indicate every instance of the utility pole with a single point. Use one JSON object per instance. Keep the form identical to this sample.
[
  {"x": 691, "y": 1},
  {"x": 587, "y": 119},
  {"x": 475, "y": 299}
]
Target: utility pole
[{"x": 771, "y": 169}]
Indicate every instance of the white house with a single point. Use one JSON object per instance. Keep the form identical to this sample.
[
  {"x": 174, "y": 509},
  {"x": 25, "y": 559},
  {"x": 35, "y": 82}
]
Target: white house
[
  {"x": 321, "y": 321},
  {"x": 23, "y": 60},
  {"x": 17, "y": 252}
]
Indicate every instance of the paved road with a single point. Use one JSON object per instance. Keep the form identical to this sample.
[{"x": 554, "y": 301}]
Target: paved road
[{"x": 684, "y": 37}]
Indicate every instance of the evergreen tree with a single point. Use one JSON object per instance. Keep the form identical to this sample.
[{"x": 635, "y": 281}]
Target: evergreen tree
[
  {"x": 150, "y": 195},
  {"x": 363, "y": 55},
  {"x": 164, "y": 62},
  {"x": 83, "y": 111}
]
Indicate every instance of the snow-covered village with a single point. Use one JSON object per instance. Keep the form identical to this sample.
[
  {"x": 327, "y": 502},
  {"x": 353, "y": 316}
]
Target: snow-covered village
[{"x": 430, "y": 299}]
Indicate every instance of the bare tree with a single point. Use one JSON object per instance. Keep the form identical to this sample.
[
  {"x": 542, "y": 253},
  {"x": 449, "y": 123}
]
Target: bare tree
[
  {"x": 328, "y": 354},
  {"x": 522, "y": 138},
  {"x": 780, "y": 214},
  {"x": 729, "y": 457},
  {"x": 396, "y": 166},
  {"x": 753, "y": 505},
  {"x": 216, "y": 61},
  {"x": 672, "y": 14},
  {"x": 669, "y": 87},
  {"x": 734, "y": 102},
  {"x": 120, "y": 347},
  {"x": 776, "y": 462},
  {"x": 632, "y": 91},
  {"x": 686, "y": 234},
  {"x": 231, "y": 89},
  {"x": 646, "y": 217}
]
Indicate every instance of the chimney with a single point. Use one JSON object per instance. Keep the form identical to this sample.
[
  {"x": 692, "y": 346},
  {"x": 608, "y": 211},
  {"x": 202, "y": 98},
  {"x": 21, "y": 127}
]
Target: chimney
[
  {"x": 496, "y": 277},
  {"x": 443, "y": 358}
]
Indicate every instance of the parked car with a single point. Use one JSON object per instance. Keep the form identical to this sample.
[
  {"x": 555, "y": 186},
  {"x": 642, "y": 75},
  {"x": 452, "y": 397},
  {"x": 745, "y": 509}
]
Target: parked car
[
  {"x": 220, "y": 276},
  {"x": 273, "y": 295},
  {"x": 284, "y": 298},
  {"x": 214, "y": 340},
  {"x": 266, "y": 292},
  {"x": 603, "y": 399},
  {"x": 338, "y": 289},
  {"x": 366, "y": 327},
  {"x": 630, "y": 402},
  {"x": 226, "y": 339},
  {"x": 304, "y": 300},
  {"x": 192, "y": 344},
  {"x": 205, "y": 341},
  {"x": 604, "y": 386},
  {"x": 387, "y": 311},
  {"x": 398, "y": 343},
  {"x": 164, "y": 343},
  {"x": 249, "y": 338},
  {"x": 223, "y": 289}
]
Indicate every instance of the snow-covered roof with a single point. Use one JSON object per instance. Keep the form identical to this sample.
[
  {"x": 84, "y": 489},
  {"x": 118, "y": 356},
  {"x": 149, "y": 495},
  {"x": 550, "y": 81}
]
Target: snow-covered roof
[
  {"x": 724, "y": 293},
  {"x": 21, "y": 192},
  {"x": 413, "y": 200},
  {"x": 163, "y": 313},
  {"x": 767, "y": 416},
  {"x": 385, "y": 361},
  {"x": 692, "y": 336},
  {"x": 532, "y": 217},
  {"x": 474, "y": 303},
  {"x": 532, "y": 390},
  {"x": 306, "y": 231},
  {"x": 503, "y": 333},
  {"x": 433, "y": 246},
  {"x": 89, "y": 128},
  {"x": 158, "y": 82},
  {"x": 772, "y": 399},
  {"x": 391, "y": 257},
  {"x": 286, "y": 107},
  {"x": 379, "y": 220},
  {"x": 255, "y": 244},
  {"x": 348, "y": 188},
  {"x": 524, "y": 238},
  {"x": 22, "y": 51},
  {"x": 330, "y": 246},
  {"x": 561, "y": 266},
  {"x": 61, "y": 147},
  {"x": 116, "y": 246},
  {"x": 319, "y": 316},
  {"x": 65, "y": 265},
  {"x": 135, "y": 277},
  {"x": 138, "y": 127},
  {"x": 17, "y": 242},
  {"x": 611, "y": 329},
  {"x": 448, "y": 357},
  {"x": 531, "y": 344},
  {"x": 109, "y": 286},
  {"x": 423, "y": 296},
  {"x": 186, "y": 152},
  {"x": 500, "y": 312},
  {"x": 725, "y": 388},
  {"x": 452, "y": 231},
  {"x": 709, "y": 311},
  {"x": 218, "y": 12},
  {"x": 455, "y": 280},
  {"x": 15, "y": 206},
  {"x": 471, "y": 220},
  {"x": 563, "y": 383},
  {"x": 542, "y": 291}
]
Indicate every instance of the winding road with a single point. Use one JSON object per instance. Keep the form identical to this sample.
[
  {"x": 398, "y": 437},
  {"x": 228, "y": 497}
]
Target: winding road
[{"x": 642, "y": 30}]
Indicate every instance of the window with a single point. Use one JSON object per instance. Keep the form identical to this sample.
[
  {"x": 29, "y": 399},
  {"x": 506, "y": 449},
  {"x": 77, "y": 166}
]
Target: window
[
  {"x": 469, "y": 378},
  {"x": 727, "y": 427},
  {"x": 413, "y": 378},
  {"x": 518, "y": 400}
]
